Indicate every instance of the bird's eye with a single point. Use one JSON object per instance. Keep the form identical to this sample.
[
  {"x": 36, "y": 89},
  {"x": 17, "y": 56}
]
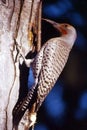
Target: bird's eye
[{"x": 66, "y": 25}]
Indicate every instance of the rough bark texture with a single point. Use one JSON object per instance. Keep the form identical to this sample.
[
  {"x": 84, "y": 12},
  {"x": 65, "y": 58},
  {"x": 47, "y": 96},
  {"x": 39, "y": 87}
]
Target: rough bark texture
[{"x": 15, "y": 21}]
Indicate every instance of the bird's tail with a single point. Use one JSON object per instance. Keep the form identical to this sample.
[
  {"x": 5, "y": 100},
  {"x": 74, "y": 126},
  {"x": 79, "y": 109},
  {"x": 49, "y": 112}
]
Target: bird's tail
[{"x": 25, "y": 104}]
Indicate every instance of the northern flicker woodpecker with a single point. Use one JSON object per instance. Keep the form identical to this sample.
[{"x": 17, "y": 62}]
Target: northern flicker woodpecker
[{"x": 47, "y": 66}]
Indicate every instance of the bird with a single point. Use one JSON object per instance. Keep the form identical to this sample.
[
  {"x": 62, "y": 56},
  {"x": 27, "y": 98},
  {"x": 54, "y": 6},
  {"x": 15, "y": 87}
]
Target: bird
[{"x": 47, "y": 67}]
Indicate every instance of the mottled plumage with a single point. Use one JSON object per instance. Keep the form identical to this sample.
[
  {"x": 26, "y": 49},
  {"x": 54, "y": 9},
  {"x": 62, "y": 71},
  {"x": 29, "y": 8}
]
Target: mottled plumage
[
  {"x": 46, "y": 67},
  {"x": 49, "y": 63}
]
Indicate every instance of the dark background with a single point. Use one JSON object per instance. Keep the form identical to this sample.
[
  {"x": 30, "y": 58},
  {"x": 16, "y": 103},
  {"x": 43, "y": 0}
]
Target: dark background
[{"x": 65, "y": 108}]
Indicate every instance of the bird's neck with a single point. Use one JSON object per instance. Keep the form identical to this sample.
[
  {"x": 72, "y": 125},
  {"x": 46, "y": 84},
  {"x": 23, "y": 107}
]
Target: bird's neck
[{"x": 69, "y": 39}]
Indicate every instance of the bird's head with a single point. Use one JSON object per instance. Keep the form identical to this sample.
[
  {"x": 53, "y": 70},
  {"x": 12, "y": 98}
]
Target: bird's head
[
  {"x": 63, "y": 28},
  {"x": 66, "y": 30}
]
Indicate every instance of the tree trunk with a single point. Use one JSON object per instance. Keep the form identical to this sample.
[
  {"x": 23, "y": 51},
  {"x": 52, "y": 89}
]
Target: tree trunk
[{"x": 16, "y": 20}]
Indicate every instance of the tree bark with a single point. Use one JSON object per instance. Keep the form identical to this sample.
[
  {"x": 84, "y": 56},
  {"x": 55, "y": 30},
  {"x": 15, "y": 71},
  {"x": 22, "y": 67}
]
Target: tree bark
[{"x": 16, "y": 20}]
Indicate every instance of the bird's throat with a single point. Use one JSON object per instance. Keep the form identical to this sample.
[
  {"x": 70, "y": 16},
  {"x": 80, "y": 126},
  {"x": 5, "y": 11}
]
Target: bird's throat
[{"x": 63, "y": 31}]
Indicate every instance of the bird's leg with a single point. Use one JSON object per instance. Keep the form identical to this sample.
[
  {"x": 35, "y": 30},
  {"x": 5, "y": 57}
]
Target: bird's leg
[{"x": 27, "y": 61}]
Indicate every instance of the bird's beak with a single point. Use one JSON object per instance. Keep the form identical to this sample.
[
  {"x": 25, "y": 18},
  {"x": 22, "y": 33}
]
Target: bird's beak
[{"x": 56, "y": 25}]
